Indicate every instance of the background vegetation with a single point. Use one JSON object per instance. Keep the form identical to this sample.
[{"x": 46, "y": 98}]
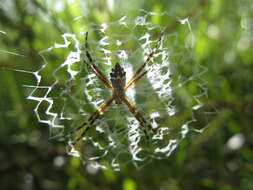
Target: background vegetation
[{"x": 219, "y": 158}]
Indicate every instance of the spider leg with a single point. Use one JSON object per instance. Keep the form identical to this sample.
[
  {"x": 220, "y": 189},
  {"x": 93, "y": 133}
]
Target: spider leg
[
  {"x": 132, "y": 82},
  {"x": 137, "y": 115},
  {"x": 85, "y": 128},
  {"x": 141, "y": 68},
  {"x": 94, "y": 68},
  {"x": 100, "y": 110},
  {"x": 92, "y": 118},
  {"x": 134, "y": 110}
]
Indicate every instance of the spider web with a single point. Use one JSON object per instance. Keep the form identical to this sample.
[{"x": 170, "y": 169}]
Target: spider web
[{"x": 168, "y": 97}]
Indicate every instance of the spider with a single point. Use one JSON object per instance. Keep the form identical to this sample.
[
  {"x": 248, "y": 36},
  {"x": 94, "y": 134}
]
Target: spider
[{"x": 118, "y": 85}]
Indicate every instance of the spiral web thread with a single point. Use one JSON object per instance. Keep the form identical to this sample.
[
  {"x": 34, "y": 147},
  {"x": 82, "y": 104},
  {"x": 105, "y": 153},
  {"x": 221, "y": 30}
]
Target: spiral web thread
[{"x": 116, "y": 137}]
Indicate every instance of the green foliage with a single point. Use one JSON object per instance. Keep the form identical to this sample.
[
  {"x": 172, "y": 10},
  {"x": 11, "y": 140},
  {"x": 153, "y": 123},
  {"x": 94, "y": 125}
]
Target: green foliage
[{"x": 223, "y": 45}]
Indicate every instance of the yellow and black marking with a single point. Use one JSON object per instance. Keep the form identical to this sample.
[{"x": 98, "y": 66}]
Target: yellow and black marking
[
  {"x": 94, "y": 68},
  {"x": 100, "y": 110},
  {"x": 80, "y": 132}
]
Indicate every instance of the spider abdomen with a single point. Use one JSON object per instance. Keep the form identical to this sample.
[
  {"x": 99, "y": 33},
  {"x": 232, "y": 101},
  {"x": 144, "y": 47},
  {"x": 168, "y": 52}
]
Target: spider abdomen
[{"x": 118, "y": 79}]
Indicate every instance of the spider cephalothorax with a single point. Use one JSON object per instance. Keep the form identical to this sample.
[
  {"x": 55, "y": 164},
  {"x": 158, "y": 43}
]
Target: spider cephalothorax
[{"x": 118, "y": 79}]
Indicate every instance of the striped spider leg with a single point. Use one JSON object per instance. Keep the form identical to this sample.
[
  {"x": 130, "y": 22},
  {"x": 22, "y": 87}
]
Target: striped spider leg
[
  {"x": 118, "y": 85},
  {"x": 94, "y": 68}
]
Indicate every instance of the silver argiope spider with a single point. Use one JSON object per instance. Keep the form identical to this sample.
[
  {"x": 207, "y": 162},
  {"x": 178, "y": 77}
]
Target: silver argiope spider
[{"x": 118, "y": 86}]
